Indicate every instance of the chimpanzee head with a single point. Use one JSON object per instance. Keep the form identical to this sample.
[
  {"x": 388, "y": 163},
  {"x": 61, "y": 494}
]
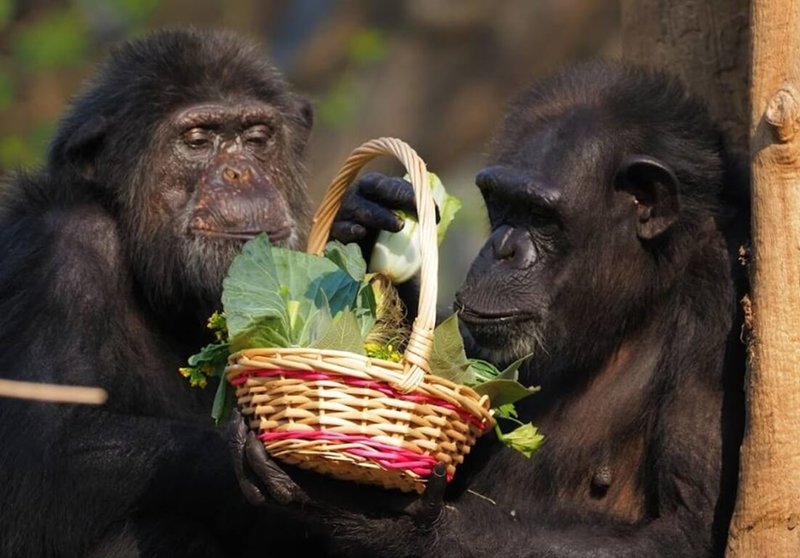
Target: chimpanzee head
[
  {"x": 602, "y": 186},
  {"x": 193, "y": 142}
]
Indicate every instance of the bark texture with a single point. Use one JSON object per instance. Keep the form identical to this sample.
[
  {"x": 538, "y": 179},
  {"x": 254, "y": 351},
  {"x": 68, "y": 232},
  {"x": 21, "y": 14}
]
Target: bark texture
[
  {"x": 704, "y": 42},
  {"x": 768, "y": 504}
]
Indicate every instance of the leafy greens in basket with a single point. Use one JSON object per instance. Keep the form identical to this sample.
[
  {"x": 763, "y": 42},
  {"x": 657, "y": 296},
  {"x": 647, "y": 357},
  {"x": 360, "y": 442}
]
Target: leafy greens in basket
[{"x": 274, "y": 297}]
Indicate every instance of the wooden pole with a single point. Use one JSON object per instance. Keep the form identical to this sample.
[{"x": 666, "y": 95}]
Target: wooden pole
[{"x": 767, "y": 511}]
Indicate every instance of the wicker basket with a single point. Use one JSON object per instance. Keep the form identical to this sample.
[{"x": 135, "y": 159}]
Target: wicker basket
[{"x": 357, "y": 418}]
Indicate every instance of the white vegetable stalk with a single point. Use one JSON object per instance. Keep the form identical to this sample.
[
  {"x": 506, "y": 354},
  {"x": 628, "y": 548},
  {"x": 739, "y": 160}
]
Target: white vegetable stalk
[{"x": 398, "y": 255}]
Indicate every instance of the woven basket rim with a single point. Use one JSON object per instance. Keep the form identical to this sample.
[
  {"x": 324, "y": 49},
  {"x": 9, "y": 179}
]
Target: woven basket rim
[{"x": 371, "y": 367}]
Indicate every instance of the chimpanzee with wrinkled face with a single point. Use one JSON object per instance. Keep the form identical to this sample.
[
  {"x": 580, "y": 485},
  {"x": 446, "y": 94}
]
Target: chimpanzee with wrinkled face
[
  {"x": 609, "y": 261},
  {"x": 111, "y": 260}
]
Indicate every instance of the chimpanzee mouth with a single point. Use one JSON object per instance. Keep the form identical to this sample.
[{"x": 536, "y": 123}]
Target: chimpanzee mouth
[
  {"x": 479, "y": 317},
  {"x": 274, "y": 236}
]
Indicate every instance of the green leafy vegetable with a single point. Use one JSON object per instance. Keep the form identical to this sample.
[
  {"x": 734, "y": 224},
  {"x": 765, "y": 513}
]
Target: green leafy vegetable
[
  {"x": 251, "y": 291},
  {"x": 525, "y": 439},
  {"x": 448, "y": 359},
  {"x": 448, "y": 206},
  {"x": 343, "y": 334},
  {"x": 502, "y": 392},
  {"x": 210, "y": 361},
  {"x": 506, "y": 411},
  {"x": 282, "y": 298},
  {"x": 348, "y": 258},
  {"x": 223, "y": 401}
]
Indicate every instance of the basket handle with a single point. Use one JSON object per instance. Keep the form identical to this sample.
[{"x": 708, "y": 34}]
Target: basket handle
[{"x": 420, "y": 343}]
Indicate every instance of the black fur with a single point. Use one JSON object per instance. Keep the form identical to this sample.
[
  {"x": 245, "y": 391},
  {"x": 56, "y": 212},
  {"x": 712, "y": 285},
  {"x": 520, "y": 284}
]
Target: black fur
[
  {"x": 613, "y": 260},
  {"x": 100, "y": 285}
]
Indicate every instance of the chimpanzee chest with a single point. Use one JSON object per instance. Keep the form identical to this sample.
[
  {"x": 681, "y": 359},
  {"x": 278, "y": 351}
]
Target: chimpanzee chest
[
  {"x": 599, "y": 468},
  {"x": 595, "y": 446}
]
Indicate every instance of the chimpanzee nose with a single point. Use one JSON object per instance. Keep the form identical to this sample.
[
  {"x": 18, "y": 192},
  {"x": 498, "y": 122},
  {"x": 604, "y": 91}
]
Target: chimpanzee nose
[
  {"x": 499, "y": 176},
  {"x": 514, "y": 246},
  {"x": 237, "y": 175}
]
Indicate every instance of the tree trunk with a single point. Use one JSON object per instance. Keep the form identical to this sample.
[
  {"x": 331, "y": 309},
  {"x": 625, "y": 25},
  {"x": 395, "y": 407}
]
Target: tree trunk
[
  {"x": 704, "y": 42},
  {"x": 768, "y": 504}
]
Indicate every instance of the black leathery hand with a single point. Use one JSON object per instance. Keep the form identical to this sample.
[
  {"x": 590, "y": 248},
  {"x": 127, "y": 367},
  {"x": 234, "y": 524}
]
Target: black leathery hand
[
  {"x": 347, "y": 231},
  {"x": 371, "y": 215},
  {"x": 278, "y": 484},
  {"x": 237, "y": 441},
  {"x": 427, "y": 510},
  {"x": 389, "y": 191},
  {"x": 393, "y": 192}
]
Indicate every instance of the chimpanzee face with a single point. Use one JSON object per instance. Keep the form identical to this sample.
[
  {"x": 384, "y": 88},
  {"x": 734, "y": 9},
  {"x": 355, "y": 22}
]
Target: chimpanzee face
[
  {"x": 570, "y": 213},
  {"x": 230, "y": 155},
  {"x": 224, "y": 173},
  {"x": 191, "y": 153}
]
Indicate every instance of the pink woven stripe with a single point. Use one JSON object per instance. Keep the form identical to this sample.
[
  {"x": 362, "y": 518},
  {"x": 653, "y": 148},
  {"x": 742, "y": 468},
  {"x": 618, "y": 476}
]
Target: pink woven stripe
[
  {"x": 386, "y": 455},
  {"x": 384, "y": 388}
]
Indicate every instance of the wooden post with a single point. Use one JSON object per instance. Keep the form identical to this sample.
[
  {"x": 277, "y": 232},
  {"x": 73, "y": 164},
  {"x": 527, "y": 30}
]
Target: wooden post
[{"x": 767, "y": 511}]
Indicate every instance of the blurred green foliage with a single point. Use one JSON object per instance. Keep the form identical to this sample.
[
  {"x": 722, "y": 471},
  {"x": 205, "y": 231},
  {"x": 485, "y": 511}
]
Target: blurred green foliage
[
  {"x": 6, "y": 9},
  {"x": 339, "y": 106},
  {"x": 7, "y": 90},
  {"x": 64, "y": 36},
  {"x": 135, "y": 12},
  {"x": 58, "y": 40},
  {"x": 368, "y": 46}
]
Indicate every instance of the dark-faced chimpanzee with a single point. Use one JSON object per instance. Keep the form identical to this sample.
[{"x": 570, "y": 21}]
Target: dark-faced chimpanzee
[
  {"x": 111, "y": 259},
  {"x": 609, "y": 260}
]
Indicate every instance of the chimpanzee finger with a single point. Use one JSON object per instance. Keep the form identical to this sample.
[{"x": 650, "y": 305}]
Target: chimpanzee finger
[
  {"x": 281, "y": 488},
  {"x": 388, "y": 191},
  {"x": 428, "y": 509},
  {"x": 392, "y": 192},
  {"x": 237, "y": 439},
  {"x": 347, "y": 231},
  {"x": 368, "y": 214}
]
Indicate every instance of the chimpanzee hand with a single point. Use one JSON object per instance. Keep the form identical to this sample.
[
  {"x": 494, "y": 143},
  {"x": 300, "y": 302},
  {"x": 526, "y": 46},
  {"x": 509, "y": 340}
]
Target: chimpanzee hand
[
  {"x": 262, "y": 481},
  {"x": 368, "y": 207},
  {"x": 324, "y": 501}
]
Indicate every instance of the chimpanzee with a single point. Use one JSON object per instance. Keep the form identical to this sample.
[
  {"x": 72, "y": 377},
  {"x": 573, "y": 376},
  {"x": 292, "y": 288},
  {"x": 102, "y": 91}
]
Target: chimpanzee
[
  {"x": 609, "y": 260},
  {"x": 111, "y": 260}
]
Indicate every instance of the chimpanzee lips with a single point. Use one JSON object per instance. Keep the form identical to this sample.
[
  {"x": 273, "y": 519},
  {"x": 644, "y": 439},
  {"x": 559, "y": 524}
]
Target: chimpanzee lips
[{"x": 488, "y": 317}]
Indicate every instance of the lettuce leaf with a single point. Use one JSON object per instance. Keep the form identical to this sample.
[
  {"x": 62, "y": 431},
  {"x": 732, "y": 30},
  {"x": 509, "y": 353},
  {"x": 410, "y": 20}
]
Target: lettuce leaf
[
  {"x": 251, "y": 291},
  {"x": 448, "y": 358},
  {"x": 343, "y": 334},
  {"x": 275, "y": 297}
]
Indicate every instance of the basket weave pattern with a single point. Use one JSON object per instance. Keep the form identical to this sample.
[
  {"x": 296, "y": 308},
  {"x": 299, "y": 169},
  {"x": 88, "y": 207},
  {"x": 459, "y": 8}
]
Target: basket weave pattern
[{"x": 357, "y": 418}]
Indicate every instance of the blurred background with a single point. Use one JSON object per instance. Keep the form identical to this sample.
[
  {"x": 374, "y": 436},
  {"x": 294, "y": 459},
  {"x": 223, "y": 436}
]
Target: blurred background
[{"x": 435, "y": 73}]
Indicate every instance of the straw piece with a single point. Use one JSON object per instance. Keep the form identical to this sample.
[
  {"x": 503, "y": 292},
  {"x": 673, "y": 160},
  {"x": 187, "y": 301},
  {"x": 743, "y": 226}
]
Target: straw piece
[{"x": 53, "y": 393}]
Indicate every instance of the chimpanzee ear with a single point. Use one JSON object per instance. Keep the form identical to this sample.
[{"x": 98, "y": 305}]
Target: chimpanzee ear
[
  {"x": 84, "y": 144},
  {"x": 654, "y": 187},
  {"x": 306, "y": 119}
]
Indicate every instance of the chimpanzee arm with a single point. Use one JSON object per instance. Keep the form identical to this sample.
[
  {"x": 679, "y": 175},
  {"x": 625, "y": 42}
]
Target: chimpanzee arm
[
  {"x": 686, "y": 463},
  {"x": 88, "y": 469},
  {"x": 65, "y": 319}
]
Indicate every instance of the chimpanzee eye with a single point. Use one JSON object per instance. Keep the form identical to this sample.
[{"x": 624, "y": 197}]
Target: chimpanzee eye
[
  {"x": 197, "y": 138},
  {"x": 257, "y": 136}
]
